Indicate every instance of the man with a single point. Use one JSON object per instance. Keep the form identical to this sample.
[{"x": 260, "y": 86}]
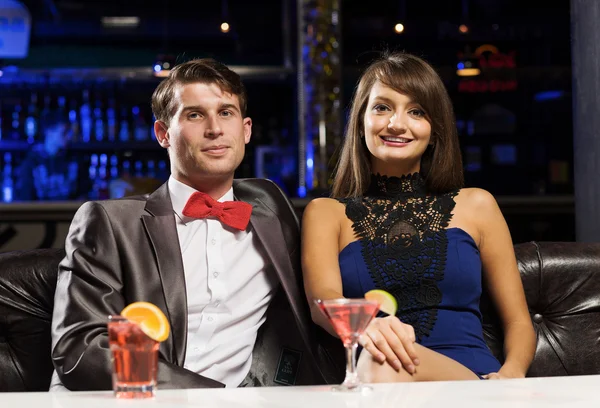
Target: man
[{"x": 230, "y": 287}]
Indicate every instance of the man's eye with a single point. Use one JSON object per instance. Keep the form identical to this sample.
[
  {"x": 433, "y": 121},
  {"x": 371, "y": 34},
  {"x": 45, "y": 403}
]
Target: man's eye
[
  {"x": 226, "y": 113},
  {"x": 194, "y": 115}
]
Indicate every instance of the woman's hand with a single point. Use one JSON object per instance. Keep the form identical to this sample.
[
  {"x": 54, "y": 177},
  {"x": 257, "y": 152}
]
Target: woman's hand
[
  {"x": 387, "y": 338},
  {"x": 503, "y": 374}
]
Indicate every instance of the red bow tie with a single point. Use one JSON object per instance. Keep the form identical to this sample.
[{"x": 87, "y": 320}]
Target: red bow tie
[{"x": 236, "y": 214}]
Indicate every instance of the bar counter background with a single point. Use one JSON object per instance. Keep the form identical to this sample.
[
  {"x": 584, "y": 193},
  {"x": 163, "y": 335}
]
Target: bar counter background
[{"x": 29, "y": 225}]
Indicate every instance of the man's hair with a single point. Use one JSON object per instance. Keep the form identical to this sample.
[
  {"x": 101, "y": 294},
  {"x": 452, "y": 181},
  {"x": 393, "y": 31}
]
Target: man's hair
[{"x": 204, "y": 70}]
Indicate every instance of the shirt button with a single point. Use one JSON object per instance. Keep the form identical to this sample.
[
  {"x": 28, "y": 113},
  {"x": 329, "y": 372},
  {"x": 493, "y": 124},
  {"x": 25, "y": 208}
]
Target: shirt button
[
  {"x": 215, "y": 274},
  {"x": 213, "y": 241},
  {"x": 196, "y": 348},
  {"x": 210, "y": 319}
]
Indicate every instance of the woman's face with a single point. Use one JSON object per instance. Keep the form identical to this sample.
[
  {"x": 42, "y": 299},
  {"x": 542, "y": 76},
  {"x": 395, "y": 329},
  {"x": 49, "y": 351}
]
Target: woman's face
[{"x": 397, "y": 131}]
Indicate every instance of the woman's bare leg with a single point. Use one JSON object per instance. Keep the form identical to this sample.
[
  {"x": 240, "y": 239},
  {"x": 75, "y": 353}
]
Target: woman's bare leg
[{"x": 433, "y": 367}]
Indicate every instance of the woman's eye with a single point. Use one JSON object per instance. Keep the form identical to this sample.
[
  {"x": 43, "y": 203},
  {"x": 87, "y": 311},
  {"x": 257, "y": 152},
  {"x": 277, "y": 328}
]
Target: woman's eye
[
  {"x": 417, "y": 112},
  {"x": 381, "y": 108}
]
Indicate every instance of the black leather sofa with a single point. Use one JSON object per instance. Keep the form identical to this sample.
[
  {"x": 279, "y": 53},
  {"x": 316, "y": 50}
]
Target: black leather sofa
[
  {"x": 562, "y": 286},
  {"x": 561, "y": 280}
]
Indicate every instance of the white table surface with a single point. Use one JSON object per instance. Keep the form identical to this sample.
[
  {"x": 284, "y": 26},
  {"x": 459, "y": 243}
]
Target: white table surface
[{"x": 582, "y": 391}]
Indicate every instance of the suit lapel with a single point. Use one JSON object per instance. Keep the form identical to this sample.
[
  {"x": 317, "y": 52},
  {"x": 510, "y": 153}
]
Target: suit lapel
[
  {"x": 160, "y": 225},
  {"x": 268, "y": 229}
]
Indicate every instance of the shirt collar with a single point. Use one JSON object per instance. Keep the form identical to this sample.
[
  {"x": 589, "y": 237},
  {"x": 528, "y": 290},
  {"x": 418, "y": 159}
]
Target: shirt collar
[{"x": 180, "y": 194}]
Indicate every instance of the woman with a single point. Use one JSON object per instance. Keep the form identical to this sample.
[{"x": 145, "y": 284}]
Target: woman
[{"x": 400, "y": 221}]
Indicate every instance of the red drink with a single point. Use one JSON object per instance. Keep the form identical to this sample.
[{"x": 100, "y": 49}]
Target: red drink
[
  {"x": 349, "y": 319},
  {"x": 135, "y": 359}
]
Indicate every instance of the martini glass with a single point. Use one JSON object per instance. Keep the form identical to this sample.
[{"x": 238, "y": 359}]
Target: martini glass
[{"x": 349, "y": 318}]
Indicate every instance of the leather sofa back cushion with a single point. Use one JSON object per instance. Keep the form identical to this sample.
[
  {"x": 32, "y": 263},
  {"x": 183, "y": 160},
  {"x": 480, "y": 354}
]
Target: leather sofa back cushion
[
  {"x": 562, "y": 286},
  {"x": 27, "y": 285}
]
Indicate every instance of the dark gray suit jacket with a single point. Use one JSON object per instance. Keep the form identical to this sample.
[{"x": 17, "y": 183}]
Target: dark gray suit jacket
[{"x": 127, "y": 250}]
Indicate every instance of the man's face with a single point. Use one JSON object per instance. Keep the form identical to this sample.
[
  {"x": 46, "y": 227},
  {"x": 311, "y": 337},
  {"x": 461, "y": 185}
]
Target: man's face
[{"x": 207, "y": 135}]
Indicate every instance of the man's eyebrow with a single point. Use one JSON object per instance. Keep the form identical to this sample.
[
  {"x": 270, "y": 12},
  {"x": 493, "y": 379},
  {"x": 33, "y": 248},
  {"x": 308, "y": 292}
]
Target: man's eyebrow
[
  {"x": 222, "y": 106},
  {"x": 192, "y": 107},
  {"x": 229, "y": 106}
]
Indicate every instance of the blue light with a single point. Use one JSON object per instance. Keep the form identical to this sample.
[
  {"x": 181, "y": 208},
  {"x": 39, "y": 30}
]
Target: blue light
[
  {"x": 308, "y": 177},
  {"x": 548, "y": 95},
  {"x": 157, "y": 68},
  {"x": 7, "y": 194},
  {"x": 460, "y": 65},
  {"x": 301, "y": 191}
]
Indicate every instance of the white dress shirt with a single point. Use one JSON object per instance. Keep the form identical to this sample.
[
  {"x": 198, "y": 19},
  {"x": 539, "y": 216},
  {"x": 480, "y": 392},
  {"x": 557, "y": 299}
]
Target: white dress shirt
[{"x": 228, "y": 285}]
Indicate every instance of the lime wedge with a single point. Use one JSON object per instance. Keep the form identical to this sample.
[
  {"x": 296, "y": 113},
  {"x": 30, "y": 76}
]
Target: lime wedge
[{"x": 387, "y": 303}]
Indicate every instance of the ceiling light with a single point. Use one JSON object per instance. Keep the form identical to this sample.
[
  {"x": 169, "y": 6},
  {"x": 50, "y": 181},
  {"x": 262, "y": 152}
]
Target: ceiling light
[
  {"x": 163, "y": 65},
  {"x": 131, "y": 21}
]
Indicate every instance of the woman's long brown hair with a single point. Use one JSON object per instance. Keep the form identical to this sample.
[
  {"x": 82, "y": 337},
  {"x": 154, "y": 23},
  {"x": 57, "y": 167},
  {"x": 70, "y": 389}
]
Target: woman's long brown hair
[{"x": 441, "y": 164}]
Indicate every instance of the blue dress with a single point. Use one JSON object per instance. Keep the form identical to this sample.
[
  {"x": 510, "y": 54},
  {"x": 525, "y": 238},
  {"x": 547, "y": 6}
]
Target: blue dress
[{"x": 434, "y": 272}]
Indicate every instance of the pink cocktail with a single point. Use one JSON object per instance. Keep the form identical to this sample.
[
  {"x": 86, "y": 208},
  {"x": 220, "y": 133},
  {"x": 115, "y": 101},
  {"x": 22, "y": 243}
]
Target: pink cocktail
[
  {"x": 135, "y": 359},
  {"x": 349, "y": 318}
]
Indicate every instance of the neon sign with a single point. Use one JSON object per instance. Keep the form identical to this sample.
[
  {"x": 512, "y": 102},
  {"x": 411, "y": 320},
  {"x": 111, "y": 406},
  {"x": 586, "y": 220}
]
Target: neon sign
[{"x": 489, "y": 59}]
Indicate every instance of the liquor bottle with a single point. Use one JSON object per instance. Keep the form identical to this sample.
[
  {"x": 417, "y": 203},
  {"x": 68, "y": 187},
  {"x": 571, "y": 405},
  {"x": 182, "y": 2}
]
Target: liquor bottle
[
  {"x": 73, "y": 120},
  {"x": 98, "y": 120},
  {"x": 124, "y": 125},
  {"x": 114, "y": 167},
  {"x": 102, "y": 179},
  {"x": 126, "y": 169},
  {"x": 85, "y": 117},
  {"x": 63, "y": 114},
  {"x": 7, "y": 179},
  {"x": 1, "y": 112},
  {"x": 152, "y": 132},
  {"x": 163, "y": 173},
  {"x": 139, "y": 168},
  {"x": 111, "y": 120},
  {"x": 31, "y": 121},
  {"x": 46, "y": 110},
  {"x": 16, "y": 122},
  {"x": 140, "y": 128},
  {"x": 93, "y": 176},
  {"x": 151, "y": 169}
]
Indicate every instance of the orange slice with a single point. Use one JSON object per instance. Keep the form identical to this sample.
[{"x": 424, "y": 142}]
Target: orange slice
[
  {"x": 150, "y": 318},
  {"x": 387, "y": 302}
]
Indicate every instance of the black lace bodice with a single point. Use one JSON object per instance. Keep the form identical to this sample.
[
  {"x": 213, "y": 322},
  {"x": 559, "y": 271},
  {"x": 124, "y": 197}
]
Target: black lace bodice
[{"x": 404, "y": 243}]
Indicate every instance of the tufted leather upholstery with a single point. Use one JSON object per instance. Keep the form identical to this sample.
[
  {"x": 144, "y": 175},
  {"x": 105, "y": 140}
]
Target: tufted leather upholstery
[
  {"x": 562, "y": 286},
  {"x": 27, "y": 284},
  {"x": 561, "y": 280}
]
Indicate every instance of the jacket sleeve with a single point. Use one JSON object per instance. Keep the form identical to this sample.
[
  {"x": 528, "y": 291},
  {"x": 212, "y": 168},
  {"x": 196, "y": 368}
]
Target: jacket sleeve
[{"x": 89, "y": 289}]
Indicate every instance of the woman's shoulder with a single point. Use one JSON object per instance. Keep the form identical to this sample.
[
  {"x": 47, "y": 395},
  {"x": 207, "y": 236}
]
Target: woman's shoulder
[
  {"x": 324, "y": 205},
  {"x": 323, "y": 214},
  {"x": 475, "y": 200}
]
